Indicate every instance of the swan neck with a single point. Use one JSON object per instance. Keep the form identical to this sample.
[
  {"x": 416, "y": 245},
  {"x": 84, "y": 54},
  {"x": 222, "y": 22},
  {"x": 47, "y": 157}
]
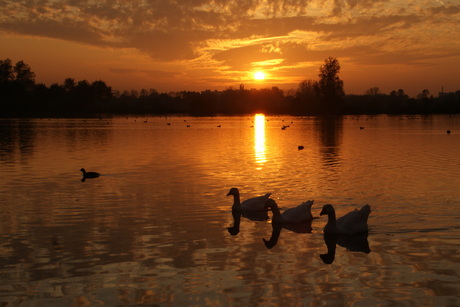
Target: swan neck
[
  {"x": 236, "y": 199},
  {"x": 236, "y": 202},
  {"x": 332, "y": 217},
  {"x": 277, "y": 217}
]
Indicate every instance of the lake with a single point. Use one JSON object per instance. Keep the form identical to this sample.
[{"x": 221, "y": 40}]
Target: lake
[{"x": 156, "y": 228}]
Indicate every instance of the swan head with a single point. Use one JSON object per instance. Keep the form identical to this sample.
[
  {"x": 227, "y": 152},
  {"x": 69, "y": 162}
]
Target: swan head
[
  {"x": 82, "y": 170},
  {"x": 327, "y": 209},
  {"x": 270, "y": 203},
  {"x": 234, "y": 192},
  {"x": 269, "y": 243},
  {"x": 233, "y": 230}
]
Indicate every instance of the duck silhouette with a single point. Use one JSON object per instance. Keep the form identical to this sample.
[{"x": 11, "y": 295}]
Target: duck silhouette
[
  {"x": 299, "y": 214},
  {"x": 87, "y": 175},
  {"x": 351, "y": 223},
  {"x": 251, "y": 204}
]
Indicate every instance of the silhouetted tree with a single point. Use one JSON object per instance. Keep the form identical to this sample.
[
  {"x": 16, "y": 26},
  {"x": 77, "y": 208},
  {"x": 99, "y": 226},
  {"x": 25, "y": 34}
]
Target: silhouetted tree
[
  {"x": 330, "y": 85},
  {"x": 23, "y": 73},
  {"x": 307, "y": 97},
  {"x": 69, "y": 84},
  {"x": 6, "y": 70},
  {"x": 373, "y": 91},
  {"x": 424, "y": 94}
]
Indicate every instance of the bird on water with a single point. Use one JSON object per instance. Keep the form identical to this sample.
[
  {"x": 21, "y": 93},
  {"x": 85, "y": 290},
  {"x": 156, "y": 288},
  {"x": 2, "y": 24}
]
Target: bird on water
[{"x": 87, "y": 175}]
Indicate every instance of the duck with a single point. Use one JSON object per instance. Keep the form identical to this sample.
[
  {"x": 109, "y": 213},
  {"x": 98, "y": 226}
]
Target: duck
[
  {"x": 299, "y": 214},
  {"x": 88, "y": 174},
  {"x": 353, "y": 222},
  {"x": 251, "y": 204}
]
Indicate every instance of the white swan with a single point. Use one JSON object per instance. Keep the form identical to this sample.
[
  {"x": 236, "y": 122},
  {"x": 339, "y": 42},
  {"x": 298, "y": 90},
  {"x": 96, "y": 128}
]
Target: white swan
[
  {"x": 351, "y": 223},
  {"x": 251, "y": 204},
  {"x": 299, "y": 214}
]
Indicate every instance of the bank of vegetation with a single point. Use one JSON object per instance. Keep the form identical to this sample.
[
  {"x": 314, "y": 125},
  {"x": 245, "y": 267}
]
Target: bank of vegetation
[{"x": 20, "y": 95}]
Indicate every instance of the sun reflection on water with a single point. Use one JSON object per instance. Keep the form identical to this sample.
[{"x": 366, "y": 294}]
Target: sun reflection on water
[{"x": 259, "y": 139}]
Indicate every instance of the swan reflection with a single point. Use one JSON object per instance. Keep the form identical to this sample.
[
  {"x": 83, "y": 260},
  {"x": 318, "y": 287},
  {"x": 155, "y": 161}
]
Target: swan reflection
[
  {"x": 235, "y": 229},
  {"x": 304, "y": 227},
  {"x": 259, "y": 139},
  {"x": 250, "y": 215},
  {"x": 352, "y": 243}
]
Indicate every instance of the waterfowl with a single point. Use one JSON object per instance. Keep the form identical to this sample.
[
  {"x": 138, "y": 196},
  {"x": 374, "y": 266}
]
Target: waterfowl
[
  {"x": 351, "y": 223},
  {"x": 299, "y": 214},
  {"x": 89, "y": 174},
  {"x": 251, "y": 204}
]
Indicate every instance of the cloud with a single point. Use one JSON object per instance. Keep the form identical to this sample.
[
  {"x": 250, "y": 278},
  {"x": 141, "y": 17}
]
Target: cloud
[
  {"x": 229, "y": 36},
  {"x": 151, "y": 73}
]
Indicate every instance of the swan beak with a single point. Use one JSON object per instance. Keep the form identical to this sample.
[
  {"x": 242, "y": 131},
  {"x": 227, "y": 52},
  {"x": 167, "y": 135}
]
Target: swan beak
[
  {"x": 323, "y": 212},
  {"x": 229, "y": 193}
]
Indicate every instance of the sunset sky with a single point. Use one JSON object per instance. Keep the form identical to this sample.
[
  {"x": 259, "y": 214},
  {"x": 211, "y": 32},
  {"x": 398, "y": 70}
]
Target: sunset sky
[{"x": 173, "y": 45}]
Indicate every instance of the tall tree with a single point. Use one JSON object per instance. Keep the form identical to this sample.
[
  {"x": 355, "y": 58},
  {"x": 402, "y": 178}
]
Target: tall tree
[
  {"x": 330, "y": 85},
  {"x": 24, "y": 73}
]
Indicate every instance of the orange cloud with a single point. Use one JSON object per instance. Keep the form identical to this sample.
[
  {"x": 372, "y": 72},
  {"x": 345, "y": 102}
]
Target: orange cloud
[{"x": 220, "y": 41}]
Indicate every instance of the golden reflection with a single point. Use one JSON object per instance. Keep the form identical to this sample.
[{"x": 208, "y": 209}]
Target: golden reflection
[{"x": 259, "y": 139}]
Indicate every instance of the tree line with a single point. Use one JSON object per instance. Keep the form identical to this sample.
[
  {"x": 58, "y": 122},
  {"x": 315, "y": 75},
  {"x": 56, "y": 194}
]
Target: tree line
[{"x": 20, "y": 95}]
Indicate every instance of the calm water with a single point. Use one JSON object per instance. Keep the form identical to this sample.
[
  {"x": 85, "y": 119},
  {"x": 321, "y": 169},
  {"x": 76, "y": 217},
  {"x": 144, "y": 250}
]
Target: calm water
[{"x": 153, "y": 229}]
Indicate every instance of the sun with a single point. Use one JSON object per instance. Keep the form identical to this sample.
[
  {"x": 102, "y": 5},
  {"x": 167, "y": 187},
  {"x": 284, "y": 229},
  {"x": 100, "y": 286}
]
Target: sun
[{"x": 259, "y": 75}]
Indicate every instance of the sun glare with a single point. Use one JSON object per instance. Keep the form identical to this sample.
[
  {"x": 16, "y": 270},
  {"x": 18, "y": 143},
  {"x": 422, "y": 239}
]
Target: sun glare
[
  {"x": 258, "y": 75},
  {"x": 259, "y": 139}
]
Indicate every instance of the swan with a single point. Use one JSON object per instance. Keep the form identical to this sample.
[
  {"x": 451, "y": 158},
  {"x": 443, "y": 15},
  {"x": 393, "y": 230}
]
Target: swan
[
  {"x": 351, "y": 223},
  {"x": 299, "y": 214},
  {"x": 88, "y": 174},
  {"x": 251, "y": 204}
]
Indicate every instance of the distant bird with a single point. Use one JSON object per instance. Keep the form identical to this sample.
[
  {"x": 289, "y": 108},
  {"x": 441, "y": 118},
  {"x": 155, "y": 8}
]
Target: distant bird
[
  {"x": 300, "y": 147},
  {"x": 251, "y": 204},
  {"x": 361, "y": 128},
  {"x": 218, "y": 126},
  {"x": 448, "y": 131},
  {"x": 188, "y": 126},
  {"x": 88, "y": 174},
  {"x": 351, "y": 223},
  {"x": 169, "y": 124},
  {"x": 299, "y": 214}
]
